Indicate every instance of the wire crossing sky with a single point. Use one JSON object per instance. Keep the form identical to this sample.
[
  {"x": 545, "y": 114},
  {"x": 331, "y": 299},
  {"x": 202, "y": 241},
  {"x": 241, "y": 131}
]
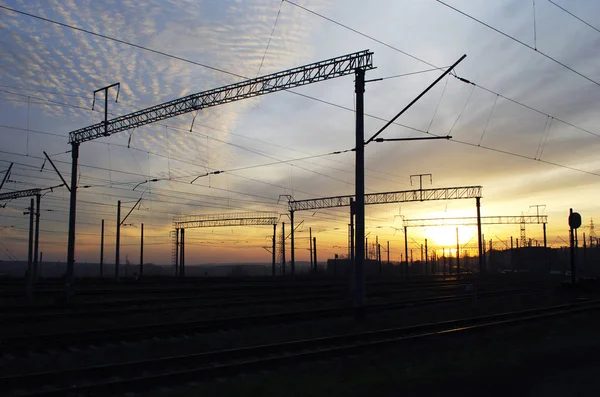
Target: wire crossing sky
[{"x": 521, "y": 109}]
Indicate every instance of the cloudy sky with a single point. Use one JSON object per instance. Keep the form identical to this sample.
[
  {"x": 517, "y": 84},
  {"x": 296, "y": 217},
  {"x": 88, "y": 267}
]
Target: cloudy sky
[{"x": 528, "y": 132}]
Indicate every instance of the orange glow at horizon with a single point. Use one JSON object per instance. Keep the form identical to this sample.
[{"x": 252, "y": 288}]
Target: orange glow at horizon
[{"x": 445, "y": 236}]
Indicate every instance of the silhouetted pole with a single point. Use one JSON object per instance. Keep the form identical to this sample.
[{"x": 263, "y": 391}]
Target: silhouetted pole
[
  {"x": 72, "y": 216},
  {"x": 273, "y": 254},
  {"x": 292, "y": 248},
  {"x": 388, "y": 252},
  {"x": 379, "y": 259},
  {"x": 457, "y": 256},
  {"x": 366, "y": 248},
  {"x": 282, "y": 247},
  {"x": 584, "y": 251},
  {"x": 444, "y": 259},
  {"x": 359, "y": 167},
  {"x": 544, "y": 226},
  {"x": 423, "y": 269},
  {"x": 102, "y": 249},
  {"x": 315, "y": 254},
  {"x": 37, "y": 237},
  {"x": 176, "y": 252},
  {"x": 572, "y": 241},
  {"x": 30, "y": 253},
  {"x": 426, "y": 258},
  {"x": 511, "y": 242},
  {"x": 406, "y": 250},
  {"x": 182, "y": 254},
  {"x": 118, "y": 243},
  {"x": 491, "y": 252},
  {"x": 310, "y": 248},
  {"x": 142, "y": 252},
  {"x": 352, "y": 211},
  {"x": 479, "y": 236},
  {"x": 484, "y": 248}
]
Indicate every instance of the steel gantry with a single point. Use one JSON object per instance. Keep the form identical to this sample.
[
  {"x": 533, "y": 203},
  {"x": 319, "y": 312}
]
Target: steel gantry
[
  {"x": 20, "y": 194},
  {"x": 180, "y": 223},
  {"x": 484, "y": 220},
  {"x": 472, "y": 221},
  {"x": 404, "y": 196},
  {"x": 355, "y": 63}
]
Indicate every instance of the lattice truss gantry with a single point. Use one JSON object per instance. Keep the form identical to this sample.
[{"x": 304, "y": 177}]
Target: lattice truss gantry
[
  {"x": 472, "y": 221},
  {"x": 296, "y": 77},
  {"x": 20, "y": 194},
  {"x": 404, "y": 196},
  {"x": 225, "y": 220}
]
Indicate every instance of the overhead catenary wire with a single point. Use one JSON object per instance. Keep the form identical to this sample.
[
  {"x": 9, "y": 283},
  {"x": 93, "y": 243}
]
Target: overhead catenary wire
[
  {"x": 440, "y": 68},
  {"x": 141, "y": 47},
  {"x": 462, "y": 110},
  {"x": 362, "y": 34},
  {"x": 158, "y": 52},
  {"x": 258, "y": 140},
  {"x": 213, "y": 138},
  {"x": 500, "y": 95},
  {"x": 262, "y": 61},
  {"x": 537, "y": 152},
  {"x": 438, "y": 104},
  {"x": 574, "y": 16},
  {"x": 545, "y": 138},
  {"x": 487, "y": 123},
  {"x": 520, "y": 42}
]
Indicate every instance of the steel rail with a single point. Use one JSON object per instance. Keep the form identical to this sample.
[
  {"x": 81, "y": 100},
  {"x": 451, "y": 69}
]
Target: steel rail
[
  {"x": 98, "y": 309},
  {"x": 193, "y": 367},
  {"x": 137, "y": 332}
]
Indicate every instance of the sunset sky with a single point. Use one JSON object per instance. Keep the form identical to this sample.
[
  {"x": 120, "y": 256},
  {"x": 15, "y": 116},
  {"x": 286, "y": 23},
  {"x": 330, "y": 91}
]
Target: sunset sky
[{"x": 520, "y": 156}]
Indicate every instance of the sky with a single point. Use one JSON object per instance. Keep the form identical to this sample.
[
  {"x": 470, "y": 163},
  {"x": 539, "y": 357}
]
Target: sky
[{"x": 527, "y": 132}]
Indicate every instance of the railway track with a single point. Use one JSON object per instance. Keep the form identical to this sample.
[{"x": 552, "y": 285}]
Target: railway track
[
  {"x": 63, "y": 340},
  {"x": 34, "y": 313},
  {"x": 116, "y": 378},
  {"x": 199, "y": 288}
]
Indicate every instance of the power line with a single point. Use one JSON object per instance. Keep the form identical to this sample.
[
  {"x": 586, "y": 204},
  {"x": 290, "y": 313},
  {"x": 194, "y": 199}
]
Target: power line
[
  {"x": 362, "y": 34},
  {"x": 527, "y": 106},
  {"x": 574, "y": 16},
  {"x": 221, "y": 141},
  {"x": 486, "y": 89},
  {"x": 187, "y": 60},
  {"x": 120, "y": 41},
  {"x": 520, "y": 42},
  {"x": 270, "y": 37},
  {"x": 229, "y": 132}
]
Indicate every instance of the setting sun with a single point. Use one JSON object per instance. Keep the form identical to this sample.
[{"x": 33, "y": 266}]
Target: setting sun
[{"x": 445, "y": 236}]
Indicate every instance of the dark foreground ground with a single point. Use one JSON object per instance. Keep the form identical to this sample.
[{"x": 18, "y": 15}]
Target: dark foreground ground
[{"x": 559, "y": 357}]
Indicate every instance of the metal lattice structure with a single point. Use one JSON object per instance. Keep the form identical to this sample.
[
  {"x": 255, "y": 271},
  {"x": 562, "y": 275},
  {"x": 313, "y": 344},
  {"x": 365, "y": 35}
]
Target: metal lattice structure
[
  {"x": 452, "y": 193},
  {"x": 354, "y": 63},
  {"x": 174, "y": 247},
  {"x": 20, "y": 194},
  {"x": 523, "y": 235},
  {"x": 180, "y": 223},
  {"x": 472, "y": 221},
  {"x": 224, "y": 220},
  {"x": 296, "y": 77}
]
